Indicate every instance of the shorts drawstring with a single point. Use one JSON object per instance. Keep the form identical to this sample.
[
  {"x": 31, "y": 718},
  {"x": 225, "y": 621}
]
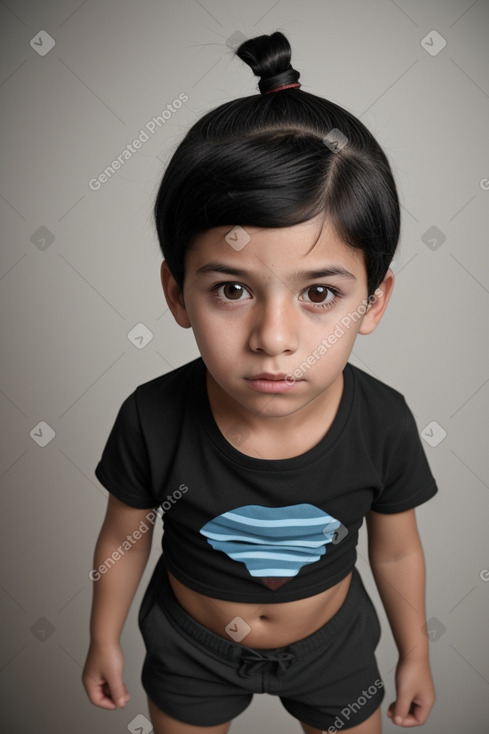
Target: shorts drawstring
[{"x": 254, "y": 660}]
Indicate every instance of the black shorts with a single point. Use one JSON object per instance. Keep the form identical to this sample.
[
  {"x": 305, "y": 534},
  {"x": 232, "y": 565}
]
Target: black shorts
[{"x": 328, "y": 680}]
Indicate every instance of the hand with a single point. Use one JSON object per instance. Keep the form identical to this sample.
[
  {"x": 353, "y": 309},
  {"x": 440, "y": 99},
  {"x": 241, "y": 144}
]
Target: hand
[
  {"x": 415, "y": 693},
  {"x": 102, "y": 676}
]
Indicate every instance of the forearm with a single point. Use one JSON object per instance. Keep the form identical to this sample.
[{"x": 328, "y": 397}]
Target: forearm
[
  {"x": 114, "y": 590},
  {"x": 401, "y": 585}
]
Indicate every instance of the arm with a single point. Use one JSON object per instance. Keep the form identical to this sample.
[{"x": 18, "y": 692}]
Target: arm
[
  {"x": 397, "y": 561},
  {"x": 113, "y": 593}
]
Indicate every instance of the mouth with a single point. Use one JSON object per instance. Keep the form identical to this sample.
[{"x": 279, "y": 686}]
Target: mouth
[
  {"x": 269, "y": 376},
  {"x": 279, "y": 382}
]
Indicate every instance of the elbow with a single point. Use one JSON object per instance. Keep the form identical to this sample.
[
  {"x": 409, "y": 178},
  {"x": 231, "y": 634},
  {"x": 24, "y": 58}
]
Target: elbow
[{"x": 380, "y": 558}]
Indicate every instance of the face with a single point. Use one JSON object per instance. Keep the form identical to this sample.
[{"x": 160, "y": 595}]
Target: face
[{"x": 276, "y": 316}]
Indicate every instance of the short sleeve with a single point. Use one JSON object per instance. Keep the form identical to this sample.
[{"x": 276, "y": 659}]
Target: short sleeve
[
  {"x": 124, "y": 467},
  {"x": 408, "y": 481}
]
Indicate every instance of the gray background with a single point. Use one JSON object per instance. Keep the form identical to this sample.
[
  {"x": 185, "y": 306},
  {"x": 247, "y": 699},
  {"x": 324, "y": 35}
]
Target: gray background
[{"x": 68, "y": 306}]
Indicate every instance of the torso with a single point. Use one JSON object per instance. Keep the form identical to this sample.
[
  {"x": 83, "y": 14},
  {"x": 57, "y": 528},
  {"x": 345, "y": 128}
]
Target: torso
[
  {"x": 272, "y": 625},
  {"x": 280, "y": 624}
]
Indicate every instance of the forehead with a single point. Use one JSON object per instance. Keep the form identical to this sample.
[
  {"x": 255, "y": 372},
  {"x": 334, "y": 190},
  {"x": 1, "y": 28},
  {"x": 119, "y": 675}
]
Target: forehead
[{"x": 313, "y": 241}]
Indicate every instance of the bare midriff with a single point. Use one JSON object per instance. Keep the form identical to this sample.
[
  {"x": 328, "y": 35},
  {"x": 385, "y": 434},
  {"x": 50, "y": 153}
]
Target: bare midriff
[{"x": 271, "y": 625}]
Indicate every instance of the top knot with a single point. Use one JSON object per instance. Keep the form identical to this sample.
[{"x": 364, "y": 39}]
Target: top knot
[{"x": 269, "y": 58}]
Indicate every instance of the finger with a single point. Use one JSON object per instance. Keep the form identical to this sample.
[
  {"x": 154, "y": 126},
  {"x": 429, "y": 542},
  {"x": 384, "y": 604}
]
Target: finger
[
  {"x": 416, "y": 716},
  {"x": 98, "y": 697},
  {"x": 118, "y": 692},
  {"x": 409, "y": 721},
  {"x": 94, "y": 687},
  {"x": 401, "y": 709}
]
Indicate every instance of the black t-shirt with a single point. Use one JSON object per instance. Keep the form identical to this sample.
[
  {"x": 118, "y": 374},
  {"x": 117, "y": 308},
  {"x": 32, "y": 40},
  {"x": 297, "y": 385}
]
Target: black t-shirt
[{"x": 256, "y": 530}]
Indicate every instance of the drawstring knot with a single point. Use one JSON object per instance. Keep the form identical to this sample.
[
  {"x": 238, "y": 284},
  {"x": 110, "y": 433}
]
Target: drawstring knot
[{"x": 254, "y": 660}]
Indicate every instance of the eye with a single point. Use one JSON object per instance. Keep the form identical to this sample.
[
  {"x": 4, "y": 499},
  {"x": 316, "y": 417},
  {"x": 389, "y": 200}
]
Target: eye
[
  {"x": 321, "y": 295},
  {"x": 226, "y": 292}
]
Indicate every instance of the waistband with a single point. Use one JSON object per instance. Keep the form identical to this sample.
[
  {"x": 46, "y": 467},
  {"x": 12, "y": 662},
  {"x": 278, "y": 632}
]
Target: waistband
[{"x": 253, "y": 658}]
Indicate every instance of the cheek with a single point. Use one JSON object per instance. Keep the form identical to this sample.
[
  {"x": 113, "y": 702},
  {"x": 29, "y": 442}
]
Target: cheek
[
  {"x": 207, "y": 317},
  {"x": 336, "y": 339},
  {"x": 346, "y": 332},
  {"x": 351, "y": 314},
  {"x": 215, "y": 340}
]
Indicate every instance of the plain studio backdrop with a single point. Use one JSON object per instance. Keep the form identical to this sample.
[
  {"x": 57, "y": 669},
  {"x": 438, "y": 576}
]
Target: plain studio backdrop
[{"x": 84, "y": 320}]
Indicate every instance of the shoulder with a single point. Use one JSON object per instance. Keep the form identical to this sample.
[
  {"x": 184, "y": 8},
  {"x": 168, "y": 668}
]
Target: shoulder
[
  {"x": 177, "y": 379},
  {"x": 376, "y": 401},
  {"x": 371, "y": 389},
  {"x": 161, "y": 398}
]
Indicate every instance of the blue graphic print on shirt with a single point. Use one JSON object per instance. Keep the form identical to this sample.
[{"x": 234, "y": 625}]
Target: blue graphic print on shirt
[{"x": 273, "y": 542}]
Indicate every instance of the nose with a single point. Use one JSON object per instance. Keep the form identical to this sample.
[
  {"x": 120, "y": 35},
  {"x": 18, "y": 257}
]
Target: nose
[{"x": 274, "y": 329}]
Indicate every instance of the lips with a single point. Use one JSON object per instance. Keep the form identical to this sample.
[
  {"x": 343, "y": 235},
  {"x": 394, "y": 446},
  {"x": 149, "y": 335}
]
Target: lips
[
  {"x": 275, "y": 383},
  {"x": 269, "y": 376}
]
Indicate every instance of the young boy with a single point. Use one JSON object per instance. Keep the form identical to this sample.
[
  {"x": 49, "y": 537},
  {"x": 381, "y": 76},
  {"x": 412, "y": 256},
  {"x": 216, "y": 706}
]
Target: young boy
[
  {"x": 266, "y": 453},
  {"x": 258, "y": 314}
]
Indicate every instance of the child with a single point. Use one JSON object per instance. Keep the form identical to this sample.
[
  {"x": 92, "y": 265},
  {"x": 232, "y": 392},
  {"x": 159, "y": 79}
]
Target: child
[{"x": 278, "y": 218}]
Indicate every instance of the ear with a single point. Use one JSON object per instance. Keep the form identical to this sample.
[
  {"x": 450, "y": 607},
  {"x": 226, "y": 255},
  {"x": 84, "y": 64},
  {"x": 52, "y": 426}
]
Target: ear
[
  {"x": 378, "y": 304},
  {"x": 174, "y": 297}
]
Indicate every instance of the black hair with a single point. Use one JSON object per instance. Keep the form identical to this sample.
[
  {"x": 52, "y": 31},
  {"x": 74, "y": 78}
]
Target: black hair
[{"x": 276, "y": 159}]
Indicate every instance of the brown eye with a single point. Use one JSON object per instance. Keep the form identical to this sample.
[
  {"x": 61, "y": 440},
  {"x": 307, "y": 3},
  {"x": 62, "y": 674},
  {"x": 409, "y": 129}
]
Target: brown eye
[
  {"x": 323, "y": 296},
  {"x": 232, "y": 291},
  {"x": 318, "y": 293}
]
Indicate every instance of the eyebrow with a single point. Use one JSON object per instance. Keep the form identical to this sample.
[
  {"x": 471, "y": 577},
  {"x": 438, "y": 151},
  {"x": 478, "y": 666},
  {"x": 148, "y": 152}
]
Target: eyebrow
[{"x": 217, "y": 267}]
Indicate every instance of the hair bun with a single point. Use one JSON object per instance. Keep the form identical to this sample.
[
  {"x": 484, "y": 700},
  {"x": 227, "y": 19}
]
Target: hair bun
[{"x": 269, "y": 58}]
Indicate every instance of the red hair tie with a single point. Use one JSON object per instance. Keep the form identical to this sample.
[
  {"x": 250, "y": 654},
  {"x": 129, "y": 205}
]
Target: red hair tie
[{"x": 286, "y": 86}]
